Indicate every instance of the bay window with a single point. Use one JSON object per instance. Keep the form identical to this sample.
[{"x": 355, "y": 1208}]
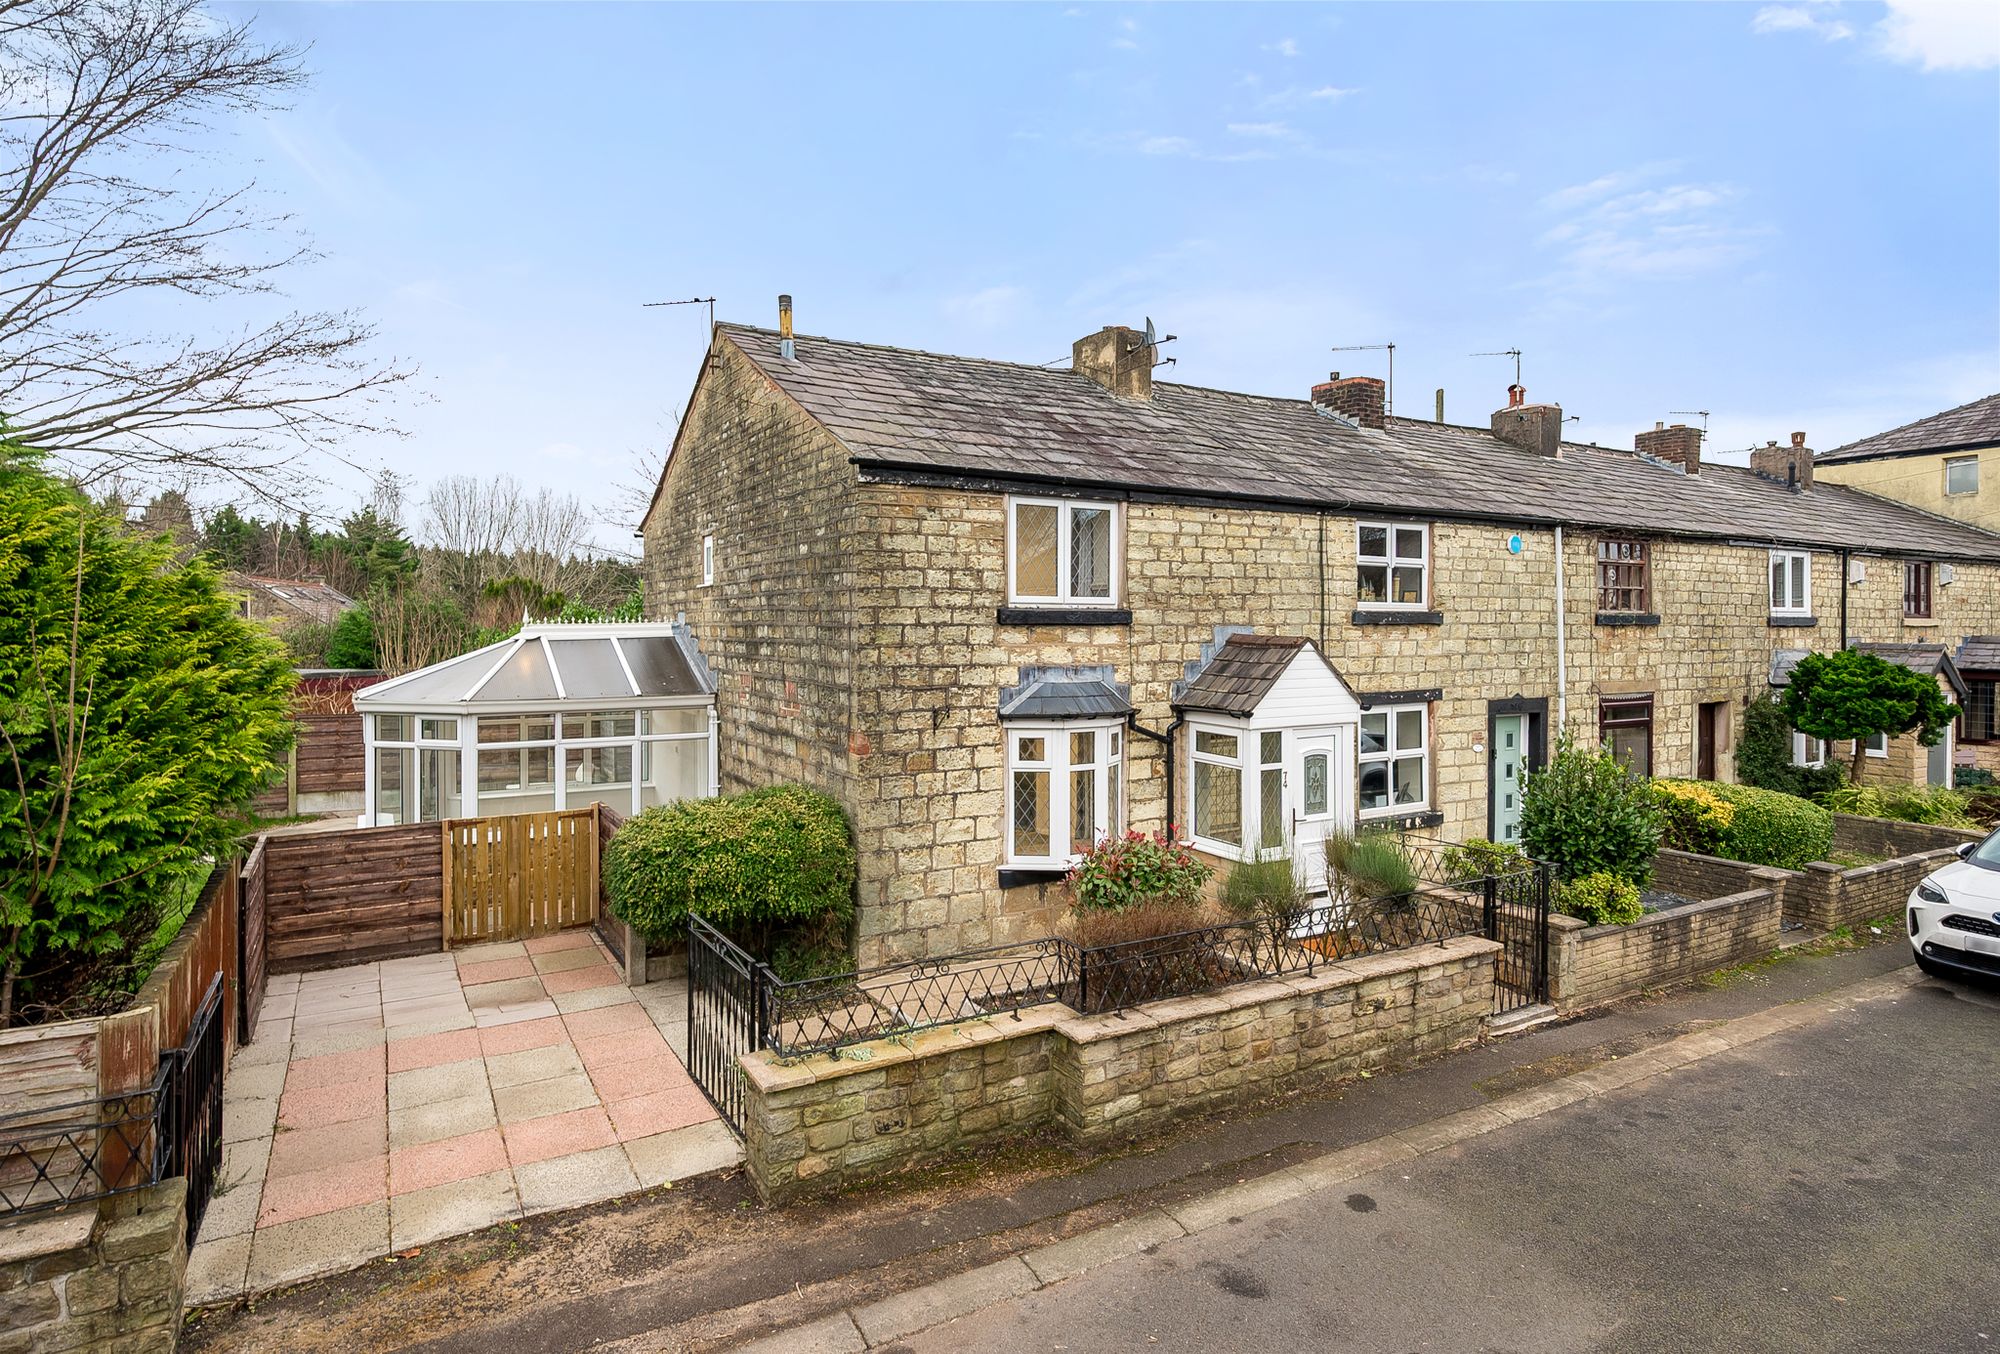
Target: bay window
[
  {"x": 1065, "y": 790},
  {"x": 1062, "y": 552},
  {"x": 1217, "y": 802},
  {"x": 1395, "y": 759}
]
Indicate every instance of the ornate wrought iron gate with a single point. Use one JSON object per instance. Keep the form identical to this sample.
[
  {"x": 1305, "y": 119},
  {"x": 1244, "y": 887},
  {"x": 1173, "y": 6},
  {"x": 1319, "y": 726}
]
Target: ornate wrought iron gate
[
  {"x": 728, "y": 1015},
  {"x": 1515, "y": 912}
]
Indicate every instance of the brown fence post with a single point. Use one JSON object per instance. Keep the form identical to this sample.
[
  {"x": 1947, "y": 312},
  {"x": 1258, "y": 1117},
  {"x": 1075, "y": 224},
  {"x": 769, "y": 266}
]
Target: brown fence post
[
  {"x": 444, "y": 880},
  {"x": 596, "y": 853}
]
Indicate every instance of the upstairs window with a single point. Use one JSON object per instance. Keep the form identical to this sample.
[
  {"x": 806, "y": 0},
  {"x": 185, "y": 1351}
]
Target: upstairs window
[
  {"x": 1917, "y": 589},
  {"x": 1395, "y": 759},
  {"x": 1061, "y": 552},
  {"x": 1961, "y": 475},
  {"x": 707, "y": 560},
  {"x": 1791, "y": 583},
  {"x": 1392, "y": 565},
  {"x": 1624, "y": 576}
]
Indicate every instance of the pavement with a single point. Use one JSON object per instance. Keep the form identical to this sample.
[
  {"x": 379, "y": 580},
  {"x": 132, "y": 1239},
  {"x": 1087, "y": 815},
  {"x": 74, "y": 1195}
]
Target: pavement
[
  {"x": 384, "y": 1106},
  {"x": 1822, "y": 1176}
]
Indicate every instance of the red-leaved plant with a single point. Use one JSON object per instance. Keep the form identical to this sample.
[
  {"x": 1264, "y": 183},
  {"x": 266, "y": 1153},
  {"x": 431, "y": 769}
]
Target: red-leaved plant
[{"x": 1137, "y": 869}]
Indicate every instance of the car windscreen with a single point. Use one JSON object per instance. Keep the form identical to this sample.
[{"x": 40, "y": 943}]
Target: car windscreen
[{"x": 1987, "y": 854}]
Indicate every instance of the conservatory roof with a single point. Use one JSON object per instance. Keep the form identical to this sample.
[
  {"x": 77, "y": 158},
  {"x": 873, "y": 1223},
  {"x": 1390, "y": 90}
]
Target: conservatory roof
[{"x": 556, "y": 665}]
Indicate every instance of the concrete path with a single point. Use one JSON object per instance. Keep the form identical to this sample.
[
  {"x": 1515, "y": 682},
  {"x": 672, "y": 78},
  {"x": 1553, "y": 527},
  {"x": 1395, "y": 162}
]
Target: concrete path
[
  {"x": 1819, "y": 1176},
  {"x": 384, "y": 1106}
]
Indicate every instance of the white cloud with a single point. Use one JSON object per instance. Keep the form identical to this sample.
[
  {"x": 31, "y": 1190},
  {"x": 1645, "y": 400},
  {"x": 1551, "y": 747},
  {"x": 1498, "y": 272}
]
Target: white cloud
[
  {"x": 1941, "y": 35},
  {"x": 1166, "y": 145},
  {"x": 1620, "y": 226},
  {"x": 1578, "y": 194},
  {"x": 1330, "y": 92},
  {"x": 987, "y": 308},
  {"x": 1286, "y": 47},
  {"x": 1274, "y": 130},
  {"x": 1799, "y": 19}
]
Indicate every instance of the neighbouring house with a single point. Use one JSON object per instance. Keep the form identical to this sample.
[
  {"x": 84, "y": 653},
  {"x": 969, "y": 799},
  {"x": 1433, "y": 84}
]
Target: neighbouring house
[
  {"x": 999, "y": 609},
  {"x": 558, "y": 716},
  {"x": 1978, "y": 665},
  {"x": 1894, "y": 760},
  {"x": 285, "y": 601},
  {"x": 1945, "y": 464}
]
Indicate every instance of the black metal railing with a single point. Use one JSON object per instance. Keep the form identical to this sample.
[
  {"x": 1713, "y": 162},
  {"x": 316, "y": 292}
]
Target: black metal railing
[
  {"x": 94, "y": 1149},
  {"x": 727, "y": 1015},
  {"x": 1512, "y": 894}
]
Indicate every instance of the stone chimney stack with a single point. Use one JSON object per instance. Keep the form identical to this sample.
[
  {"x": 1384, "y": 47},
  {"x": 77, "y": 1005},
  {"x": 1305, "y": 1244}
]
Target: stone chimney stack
[
  {"x": 1359, "y": 398},
  {"x": 1118, "y": 359},
  {"x": 1679, "y": 444},
  {"x": 1531, "y": 427},
  {"x": 1791, "y": 466}
]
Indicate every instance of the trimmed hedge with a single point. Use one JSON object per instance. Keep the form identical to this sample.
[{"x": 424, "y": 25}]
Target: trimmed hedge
[
  {"x": 1769, "y": 827},
  {"x": 1587, "y": 812},
  {"x": 1601, "y": 899},
  {"x": 748, "y": 864}
]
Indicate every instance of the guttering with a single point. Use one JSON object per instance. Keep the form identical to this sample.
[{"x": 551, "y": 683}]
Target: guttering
[{"x": 1167, "y": 740}]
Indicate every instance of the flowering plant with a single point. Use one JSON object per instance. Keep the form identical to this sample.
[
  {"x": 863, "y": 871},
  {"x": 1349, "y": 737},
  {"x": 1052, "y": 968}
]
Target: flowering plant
[{"x": 1136, "y": 869}]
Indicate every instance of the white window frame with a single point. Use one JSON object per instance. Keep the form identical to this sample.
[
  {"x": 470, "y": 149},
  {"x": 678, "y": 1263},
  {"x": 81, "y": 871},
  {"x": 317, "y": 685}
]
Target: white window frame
[
  {"x": 1110, "y": 789},
  {"x": 1799, "y": 561},
  {"x": 1876, "y": 744},
  {"x": 1393, "y": 561},
  {"x": 1247, "y": 769},
  {"x": 1066, "y": 510},
  {"x": 1951, "y": 463},
  {"x": 1393, "y": 752},
  {"x": 1802, "y": 745},
  {"x": 708, "y": 559}
]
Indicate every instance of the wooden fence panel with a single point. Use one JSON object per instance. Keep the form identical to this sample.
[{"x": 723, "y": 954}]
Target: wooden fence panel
[
  {"x": 252, "y": 953},
  {"x": 205, "y": 947},
  {"x": 518, "y": 875},
  {"x": 330, "y": 752},
  {"x": 349, "y": 896}
]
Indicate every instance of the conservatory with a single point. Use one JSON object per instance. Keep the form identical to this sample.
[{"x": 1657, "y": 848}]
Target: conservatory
[{"x": 559, "y": 716}]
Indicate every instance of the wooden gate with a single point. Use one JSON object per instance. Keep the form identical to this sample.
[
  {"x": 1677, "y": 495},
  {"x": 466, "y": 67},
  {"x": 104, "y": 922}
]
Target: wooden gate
[
  {"x": 519, "y": 875},
  {"x": 252, "y": 956}
]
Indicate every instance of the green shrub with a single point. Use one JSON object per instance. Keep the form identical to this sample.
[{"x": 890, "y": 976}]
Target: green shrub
[
  {"x": 1263, "y": 888},
  {"x": 1972, "y": 778},
  {"x": 1368, "y": 864},
  {"x": 1477, "y": 858},
  {"x": 1601, "y": 899},
  {"x": 1137, "y": 869},
  {"x": 1764, "y": 755},
  {"x": 752, "y": 865},
  {"x": 1770, "y": 827},
  {"x": 1904, "y": 803},
  {"x": 1587, "y": 812},
  {"x": 1693, "y": 817}
]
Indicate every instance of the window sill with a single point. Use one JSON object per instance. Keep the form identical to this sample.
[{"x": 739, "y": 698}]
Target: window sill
[
  {"x": 1407, "y": 818},
  {"x": 1920, "y": 620},
  {"x": 1063, "y": 615},
  {"x": 1627, "y": 618},
  {"x": 1361, "y": 617},
  {"x": 1020, "y": 876},
  {"x": 1794, "y": 622}
]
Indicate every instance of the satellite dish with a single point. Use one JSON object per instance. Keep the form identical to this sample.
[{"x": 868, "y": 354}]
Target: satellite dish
[{"x": 1151, "y": 341}]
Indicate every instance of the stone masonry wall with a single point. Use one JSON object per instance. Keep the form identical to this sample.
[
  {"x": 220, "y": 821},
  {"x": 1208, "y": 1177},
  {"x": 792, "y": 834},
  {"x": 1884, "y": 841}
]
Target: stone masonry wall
[
  {"x": 774, "y": 489},
  {"x": 81, "y": 1280},
  {"x": 1603, "y": 963},
  {"x": 1696, "y": 876},
  {"x": 1887, "y": 837},
  {"x": 1830, "y": 896},
  {"x": 825, "y": 1123}
]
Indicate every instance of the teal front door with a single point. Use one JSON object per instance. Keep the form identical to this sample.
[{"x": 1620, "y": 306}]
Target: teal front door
[{"x": 1510, "y": 756}]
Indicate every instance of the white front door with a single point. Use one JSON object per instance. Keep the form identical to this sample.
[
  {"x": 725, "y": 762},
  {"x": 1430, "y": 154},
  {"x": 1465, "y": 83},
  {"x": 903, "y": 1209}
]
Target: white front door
[
  {"x": 1319, "y": 799},
  {"x": 1510, "y": 752}
]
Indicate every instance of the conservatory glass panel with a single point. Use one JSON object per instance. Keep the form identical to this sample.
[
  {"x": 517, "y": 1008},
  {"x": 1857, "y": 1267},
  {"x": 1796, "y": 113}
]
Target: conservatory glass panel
[
  {"x": 685, "y": 719},
  {"x": 600, "y": 724},
  {"x": 591, "y": 774},
  {"x": 524, "y": 676},
  {"x": 589, "y": 669},
  {"x": 393, "y": 770},
  {"x": 392, "y": 728},
  {"x": 438, "y": 730},
  {"x": 673, "y": 771},
  {"x": 517, "y": 728},
  {"x": 659, "y": 667},
  {"x": 440, "y": 791}
]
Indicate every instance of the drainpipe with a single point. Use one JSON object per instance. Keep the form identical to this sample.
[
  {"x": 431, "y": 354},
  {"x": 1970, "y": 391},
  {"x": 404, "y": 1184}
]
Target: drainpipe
[
  {"x": 1166, "y": 739},
  {"x": 1562, "y": 642},
  {"x": 1846, "y": 580}
]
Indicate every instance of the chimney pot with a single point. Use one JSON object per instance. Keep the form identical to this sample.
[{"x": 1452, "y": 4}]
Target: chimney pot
[
  {"x": 1360, "y": 398},
  {"x": 1798, "y": 439},
  {"x": 1517, "y": 395},
  {"x": 785, "y": 348}
]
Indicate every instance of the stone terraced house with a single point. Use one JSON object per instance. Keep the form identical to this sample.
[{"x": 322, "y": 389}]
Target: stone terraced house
[{"x": 998, "y": 610}]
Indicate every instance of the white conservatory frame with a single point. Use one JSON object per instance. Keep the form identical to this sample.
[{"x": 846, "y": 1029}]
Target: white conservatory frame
[{"x": 639, "y": 689}]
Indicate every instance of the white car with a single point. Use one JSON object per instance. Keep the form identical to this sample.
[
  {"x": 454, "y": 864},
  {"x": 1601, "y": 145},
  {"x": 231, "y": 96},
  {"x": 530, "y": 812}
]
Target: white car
[{"x": 1955, "y": 915}]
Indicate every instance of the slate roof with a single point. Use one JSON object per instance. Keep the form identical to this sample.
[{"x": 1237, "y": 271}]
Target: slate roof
[
  {"x": 313, "y": 598},
  {"x": 1241, "y": 674},
  {"x": 962, "y": 417},
  {"x": 1929, "y": 659},
  {"x": 1979, "y": 653},
  {"x": 1970, "y": 425},
  {"x": 1065, "y": 693}
]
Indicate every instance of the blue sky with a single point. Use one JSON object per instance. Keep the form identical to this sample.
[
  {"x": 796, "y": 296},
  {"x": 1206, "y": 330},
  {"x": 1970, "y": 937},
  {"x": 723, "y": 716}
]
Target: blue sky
[{"x": 1786, "y": 214}]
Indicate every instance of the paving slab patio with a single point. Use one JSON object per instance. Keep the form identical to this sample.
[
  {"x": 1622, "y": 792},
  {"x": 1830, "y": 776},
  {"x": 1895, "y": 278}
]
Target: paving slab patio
[{"x": 394, "y": 1104}]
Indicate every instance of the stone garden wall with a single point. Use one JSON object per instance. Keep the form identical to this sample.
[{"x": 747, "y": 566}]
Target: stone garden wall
[
  {"x": 85, "y": 1279},
  {"x": 1854, "y": 834},
  {"x": 827, "y": 1122},
  {"x": 1589, "y": 965}
]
